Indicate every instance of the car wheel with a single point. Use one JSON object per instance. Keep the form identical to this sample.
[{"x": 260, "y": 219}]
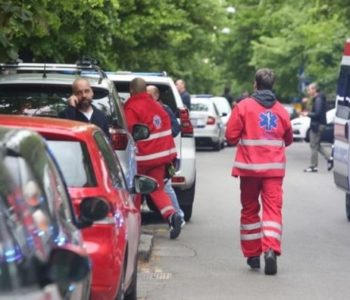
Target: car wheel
[
  {"x": 187, "y": 209},
  {"x": 131, "y": 293},
  {"x": 347, "y": 205},
  {"x": 186, "y": 199}
]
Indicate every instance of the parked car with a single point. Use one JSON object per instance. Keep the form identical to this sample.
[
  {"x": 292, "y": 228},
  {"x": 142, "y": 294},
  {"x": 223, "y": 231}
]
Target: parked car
[
  {"x": 291, "y": 110},
  {"x": 301, "y": 128},
  {"x": 41, "y": 254},
  {"x": 208, "y": 127},
  {"x": 92, "y": 170},
  {"x": 43, "y": 89},
  {"x": 184, "y": 181},
  {"x": 223, "y": 107},
  {"x": 341, "y": 150}
]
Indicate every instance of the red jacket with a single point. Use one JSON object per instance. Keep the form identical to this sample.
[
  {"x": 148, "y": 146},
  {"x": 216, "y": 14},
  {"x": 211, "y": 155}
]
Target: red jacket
[
  {"x": 159, "y": 148},
  {"x": 261, "y": 134}
]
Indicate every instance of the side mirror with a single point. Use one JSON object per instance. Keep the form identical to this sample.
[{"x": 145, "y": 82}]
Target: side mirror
[
  {"x": 144, "y": 184},
  {"x": 67, "y": 265},
  {"x": 140, "y": 132},
  {"x": 91, "y": 210}
]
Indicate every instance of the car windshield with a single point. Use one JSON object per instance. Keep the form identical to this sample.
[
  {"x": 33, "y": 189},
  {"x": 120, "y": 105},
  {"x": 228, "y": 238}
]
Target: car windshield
[
  {"x": 77, "y": 172},
  {"x": 166, "y": 94},
  {"x": 39, "y": 99}
]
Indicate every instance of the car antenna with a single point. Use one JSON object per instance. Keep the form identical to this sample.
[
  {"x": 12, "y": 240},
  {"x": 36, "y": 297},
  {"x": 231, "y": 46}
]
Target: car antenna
[{"x": 44, "y": 74}]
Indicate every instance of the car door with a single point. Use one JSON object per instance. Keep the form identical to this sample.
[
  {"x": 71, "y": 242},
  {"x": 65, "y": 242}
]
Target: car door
[
  {"x": 341, "y": 131},
  {"x": 133, "y": 218}
]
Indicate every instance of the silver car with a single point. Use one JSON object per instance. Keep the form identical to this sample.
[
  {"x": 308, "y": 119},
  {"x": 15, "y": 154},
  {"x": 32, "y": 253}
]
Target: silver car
[
  {"x": 208, "y": 127},
  {"x": 184, "y": 181},
  {"x": 43, "y": 89}
]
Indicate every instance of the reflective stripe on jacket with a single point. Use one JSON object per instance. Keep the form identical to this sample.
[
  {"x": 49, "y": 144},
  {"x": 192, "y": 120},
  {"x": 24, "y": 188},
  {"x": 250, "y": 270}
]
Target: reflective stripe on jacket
[
  {"x": 159, "y": 148},
  {"x": 261, "y": 135}
]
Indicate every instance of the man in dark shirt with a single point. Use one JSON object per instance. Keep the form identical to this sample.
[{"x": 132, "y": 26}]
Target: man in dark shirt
[
  {"x": 186, "y": 98},
  {"x": 80, "y": 106},
  {"x": 317, "y": 126}
]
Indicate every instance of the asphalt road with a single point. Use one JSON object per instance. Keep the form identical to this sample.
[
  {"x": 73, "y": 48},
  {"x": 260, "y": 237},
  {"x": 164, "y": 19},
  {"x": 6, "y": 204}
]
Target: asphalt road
[{"x": 205, "y": 262}]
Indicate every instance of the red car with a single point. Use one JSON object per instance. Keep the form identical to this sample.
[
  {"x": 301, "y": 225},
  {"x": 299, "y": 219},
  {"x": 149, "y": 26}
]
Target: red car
[{"x": 91, "y": 169}]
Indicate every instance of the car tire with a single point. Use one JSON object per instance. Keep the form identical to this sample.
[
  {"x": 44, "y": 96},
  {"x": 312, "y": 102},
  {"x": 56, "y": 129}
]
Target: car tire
[
  {"x": 186, "y": 199},
  {"x": 131, "y": 293},
  {"x": 347, "y": 205}
]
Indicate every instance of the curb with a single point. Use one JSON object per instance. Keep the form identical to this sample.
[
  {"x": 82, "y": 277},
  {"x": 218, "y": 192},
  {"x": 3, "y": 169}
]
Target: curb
[{"x": 145, "y": 246}]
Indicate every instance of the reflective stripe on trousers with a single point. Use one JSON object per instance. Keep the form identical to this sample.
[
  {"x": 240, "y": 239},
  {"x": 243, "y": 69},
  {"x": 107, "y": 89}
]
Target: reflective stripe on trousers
[{"x": 156, "y": 155}]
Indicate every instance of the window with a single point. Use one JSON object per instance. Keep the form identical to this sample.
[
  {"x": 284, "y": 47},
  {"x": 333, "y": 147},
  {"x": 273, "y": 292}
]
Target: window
[
  {"x": 74, "y": 162},
  {"x": 343, "y": 93},
  {"x": 111, "y": 161}
]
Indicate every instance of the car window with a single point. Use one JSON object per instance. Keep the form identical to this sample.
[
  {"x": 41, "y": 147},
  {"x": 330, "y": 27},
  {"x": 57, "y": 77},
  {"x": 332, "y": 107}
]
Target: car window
[
  {"x": 223, "y": 106},
  {"x": 43, "y": 99},
  {"x": 110, "y": 160},
  {"x": 166, "y": 93},
  {"x": 216, "y": 110},
  {"x": 197, "y": 106},
  {"x": 58, "y": 194},
  {"x": 343, "y": 93},
  {"x": 77, "y": 172}
]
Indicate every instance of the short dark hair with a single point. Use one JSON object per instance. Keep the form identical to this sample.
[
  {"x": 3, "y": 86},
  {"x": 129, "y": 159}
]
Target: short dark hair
[{"x": 265, "y": 79}]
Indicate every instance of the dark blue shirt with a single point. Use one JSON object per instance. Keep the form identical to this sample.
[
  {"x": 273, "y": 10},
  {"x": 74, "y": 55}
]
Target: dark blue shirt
[
  {"x": 175, "y": 126},
  {"x": 186, "y": 99},
  {"x": 98, "y": 117}
]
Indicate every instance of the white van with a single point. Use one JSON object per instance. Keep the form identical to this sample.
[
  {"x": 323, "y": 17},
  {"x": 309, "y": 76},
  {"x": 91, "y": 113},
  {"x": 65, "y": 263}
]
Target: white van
[{"x": 341, "y": 129}]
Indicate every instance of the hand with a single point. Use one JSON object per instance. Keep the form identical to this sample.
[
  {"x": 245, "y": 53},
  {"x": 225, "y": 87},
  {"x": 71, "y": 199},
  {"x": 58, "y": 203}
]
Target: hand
[{"x": 73, "y": 101}]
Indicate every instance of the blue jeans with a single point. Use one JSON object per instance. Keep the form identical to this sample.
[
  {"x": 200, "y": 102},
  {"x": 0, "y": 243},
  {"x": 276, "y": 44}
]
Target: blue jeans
[{"x": 168, "y": 188}]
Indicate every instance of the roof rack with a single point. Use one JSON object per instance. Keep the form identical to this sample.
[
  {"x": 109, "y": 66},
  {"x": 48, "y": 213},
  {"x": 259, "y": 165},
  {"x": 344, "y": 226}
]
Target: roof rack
[
  {"x": 162, "y": 73},
  {"x": 83, "y": 67}
]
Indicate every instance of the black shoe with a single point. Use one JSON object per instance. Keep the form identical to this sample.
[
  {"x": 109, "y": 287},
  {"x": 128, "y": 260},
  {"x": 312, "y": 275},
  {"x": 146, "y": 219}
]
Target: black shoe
[
  {"x": 330, "y": 163},
  {"x": 270, "y": 262},
  {"x": 311, "y": 169},
  {"x": 175, "y": 225},
  {"x": 254, "y": 262}
]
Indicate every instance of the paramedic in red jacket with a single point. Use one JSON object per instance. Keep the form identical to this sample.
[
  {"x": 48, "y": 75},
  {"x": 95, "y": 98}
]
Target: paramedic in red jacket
[
  {"x": 154, "y": 153},
  {"x": 261, "y": 128}
]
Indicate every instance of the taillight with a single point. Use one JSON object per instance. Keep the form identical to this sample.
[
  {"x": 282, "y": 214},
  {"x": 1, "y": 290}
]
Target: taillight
[
  {"x": 119, "y": 140},
  {"x": 210, "y": 121},
  {"x": 186, "y": 125},
  {"x": 178, "y": 179}
]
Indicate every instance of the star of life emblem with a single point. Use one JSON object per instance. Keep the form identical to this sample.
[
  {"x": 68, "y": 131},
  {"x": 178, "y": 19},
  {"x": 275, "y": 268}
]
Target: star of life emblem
[
  {"x": 157, "y": 121},
  {"x": 268, "y": 121}
]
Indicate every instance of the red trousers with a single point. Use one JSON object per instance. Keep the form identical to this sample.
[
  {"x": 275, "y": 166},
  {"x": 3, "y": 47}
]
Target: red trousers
[
  {"x": 159, "y": 197},
  {"x": 259, "y": 234}
]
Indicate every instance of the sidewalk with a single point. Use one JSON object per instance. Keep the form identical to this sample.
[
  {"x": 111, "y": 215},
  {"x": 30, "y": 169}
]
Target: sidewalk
[{"x": 145, "y": 247}]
